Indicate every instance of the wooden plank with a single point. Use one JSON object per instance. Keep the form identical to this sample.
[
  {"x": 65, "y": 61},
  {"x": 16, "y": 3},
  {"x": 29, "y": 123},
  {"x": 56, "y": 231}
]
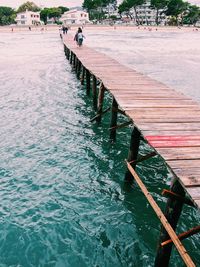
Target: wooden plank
[
  {"x": 172, "y": 132},
  {"x": 171, "y": 119},
  {"x": 190, "y": 180},
  {"x": 158, "y": 102},
  {"x": 169, "y": 126},
  {"x": 178, "y": 115},
  {"x": 184, "y": 164},
  {"x": 186, "y": 143},
  {"x": 175, "y": 153},
  {"x": 194, "y": 193}
]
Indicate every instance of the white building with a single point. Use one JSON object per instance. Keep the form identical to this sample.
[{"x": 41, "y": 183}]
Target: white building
[
  {"x": 147, "y": 15},
  {"x": 75, "y": 17},
  {"x": 28, "y": 18}
]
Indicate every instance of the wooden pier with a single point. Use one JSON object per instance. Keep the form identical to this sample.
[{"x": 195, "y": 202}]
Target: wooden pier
[{"x": 166, "y": 119}]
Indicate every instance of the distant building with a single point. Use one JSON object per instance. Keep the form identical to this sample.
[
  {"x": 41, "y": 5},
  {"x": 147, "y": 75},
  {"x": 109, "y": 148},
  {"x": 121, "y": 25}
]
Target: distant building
[
  {"x": 51, "y": 20},
  {"x": 75, "y": 16},
  {"x": 28, "y": 18},
  {"x": 147, "y": 15}
]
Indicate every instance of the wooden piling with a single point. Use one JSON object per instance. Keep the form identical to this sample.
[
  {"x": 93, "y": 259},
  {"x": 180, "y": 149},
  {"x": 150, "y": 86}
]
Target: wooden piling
[
  {"x": 172, "y": 214},
  {"x": 94, "y": 92},
  {"x": 133, "y": 152},
  {"x": 68, "y": 54},
  {"x": 76, "y": 64},
  {"x": 78, "y": 69},
  {"x": 100, "y": 102},
  {"x": 74, "y": 61},
  {"x": 83, "y": 75},
  {"x": 88, "y": 82},
  {"x": 113, "y": 120},
  {"x": 71, "y": 57}
]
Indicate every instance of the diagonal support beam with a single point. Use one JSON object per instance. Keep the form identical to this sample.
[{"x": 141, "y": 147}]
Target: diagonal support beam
[
  {"x": 121, "y": 125},
  {"x": 140, "y": 159},
  {"x": 182, "y": 251},
  {"x": 184, "y": 235},
  {"x": 100, "y": 114},
  {"x": 168, "y": 193}
]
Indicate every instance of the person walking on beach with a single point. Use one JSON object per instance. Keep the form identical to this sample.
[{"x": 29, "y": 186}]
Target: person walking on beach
[{"x": 79, "y": 37}]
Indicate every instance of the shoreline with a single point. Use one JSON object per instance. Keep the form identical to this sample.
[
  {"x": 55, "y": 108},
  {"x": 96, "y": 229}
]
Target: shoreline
[{"x": 14, "y": 28}]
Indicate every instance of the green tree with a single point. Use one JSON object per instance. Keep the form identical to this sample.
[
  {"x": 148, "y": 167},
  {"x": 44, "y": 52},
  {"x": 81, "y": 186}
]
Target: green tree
[
  {"x": 89, "y": 5},
  {"x": 193, "y": 15},
  {"x": 159, "y": 6},
  {"x": 7, "y": 15},
  {"x": 98, "y": 8},
  {"x": 53, "y": 12},
  {"x": 124, "y": 8},
  {"x": 63, "y": 9},
  {"x": 44, "y": 14},
  {"x": 127, "y": 5},
  {"x": 177, "y": 9},
  {"x": 30, "y": 6}
]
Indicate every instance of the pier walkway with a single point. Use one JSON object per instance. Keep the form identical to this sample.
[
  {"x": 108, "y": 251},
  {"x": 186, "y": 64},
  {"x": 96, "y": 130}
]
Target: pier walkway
[{"x": 168, "y": 120}]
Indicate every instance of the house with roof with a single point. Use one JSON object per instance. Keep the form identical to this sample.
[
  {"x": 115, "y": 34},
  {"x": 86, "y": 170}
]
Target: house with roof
[
  {"x": 28, "y": 18},
  {"x": 75, "y": 16}
]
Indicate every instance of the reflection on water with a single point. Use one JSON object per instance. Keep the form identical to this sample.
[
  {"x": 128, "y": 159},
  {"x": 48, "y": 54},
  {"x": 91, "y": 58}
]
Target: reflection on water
[{"x": 63, "y": 200}]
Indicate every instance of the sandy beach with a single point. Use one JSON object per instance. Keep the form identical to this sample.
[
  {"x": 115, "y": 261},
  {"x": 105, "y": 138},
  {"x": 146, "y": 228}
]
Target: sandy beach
[{"x": 14, "y": 28}]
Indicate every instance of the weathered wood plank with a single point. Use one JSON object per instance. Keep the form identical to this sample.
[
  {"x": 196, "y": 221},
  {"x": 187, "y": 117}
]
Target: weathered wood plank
[
  {"x": 175, "y": 153},
  {"x": 171, "y": 132},
  {"x": 186, "y": 143},
  {"x": 192, "y": 126},
  {"x": 178, "y": 164}
]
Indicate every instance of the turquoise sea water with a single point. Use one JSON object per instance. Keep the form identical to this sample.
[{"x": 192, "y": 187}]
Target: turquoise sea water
[{"x": 62, "y": 191}]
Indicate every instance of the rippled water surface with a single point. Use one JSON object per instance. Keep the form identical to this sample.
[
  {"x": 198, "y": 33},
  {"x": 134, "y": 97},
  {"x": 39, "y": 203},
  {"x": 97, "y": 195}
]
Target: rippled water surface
[{"x": 63, "y": 199}]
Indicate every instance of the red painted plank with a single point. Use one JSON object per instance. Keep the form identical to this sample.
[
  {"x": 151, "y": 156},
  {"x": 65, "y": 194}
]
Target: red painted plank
[{"x": 173, "y": 138}]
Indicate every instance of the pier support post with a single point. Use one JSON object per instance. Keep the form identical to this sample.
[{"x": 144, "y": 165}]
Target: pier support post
[
  {"x": 100, "y": 102},
  {"x": 78, "y": 71},
  {"x": 94, "y": 92},
  {"x": 74, "y": 61},
  {"x": 133, "y": 152},
  {"x": 76, "y": 64},
  {"x": 68, "y": 54},
  {"x": 88, "y": 82},
  {"x": 71, "y": 57},
  {"x": 83, "y": 75},
  {"x": 172, "y": 214},
  {"x": 65, "y": 50},
  {"x": 113, "y": 120}
]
